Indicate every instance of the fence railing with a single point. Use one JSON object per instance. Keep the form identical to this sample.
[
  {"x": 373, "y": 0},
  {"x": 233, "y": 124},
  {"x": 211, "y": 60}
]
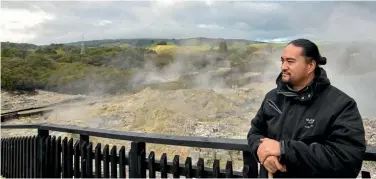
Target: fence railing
[{"x": 44, "y": 155}]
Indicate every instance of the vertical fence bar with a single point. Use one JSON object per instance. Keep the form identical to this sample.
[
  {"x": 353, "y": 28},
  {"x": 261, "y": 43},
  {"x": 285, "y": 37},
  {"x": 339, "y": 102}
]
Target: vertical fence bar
[
  {"x": 4, "y": 159},
  {"x": 175, "y": 167},
  {"x": 70, "y": 159},
  {"x": 13, "y": 159},
  {"x": 76, "y": 154},
  {"x": 47, "y": 159},
  {"x": 34, "y": 171},
  {"x": 216, "y": 169},
  {"x": 43, "y": 133},
  {"x": 32, "y": 157},
  {"x": 137, "y": 167},
  {"x": 98, "y": 161},
  {"x": 41, "y": 152},
  {"x": 64, "y": 160},
  {"x": 106, "y": 162},
  {"x": 89, "y": 160},
  {"x": 229, "y": 171},
  {"x": 133, "y": 162},
  {"x": 84, "y": 138},
  {"x": 52, "y": 156},
  {"x": 250, "y": 165},
  {"x": 58, "y": 164},
  {"x": 2, "y": 156},
  {"x": 113, "y": 162},
  {"x": 163, "y": 165},
  {"x": 7, "y": 157},
  {"x": 3, "y": 150},
  {"x": 200, "y": 168},
  {"x": 24, "y": 156},
  {"x": 40, "y": 157},
  {"x": 151, "y": 164},
  {"x": 122, "y": 165},
  {"x": 83, "y": 158},
  {"x": 188, "y": 168},
  {"x": 141, "y": 159},
  {"x": 10, "y": 157},
  {"x": 15, "y": 156},
  {"x": 28, "y": 157},
  {"x": 18, "y": 158}
]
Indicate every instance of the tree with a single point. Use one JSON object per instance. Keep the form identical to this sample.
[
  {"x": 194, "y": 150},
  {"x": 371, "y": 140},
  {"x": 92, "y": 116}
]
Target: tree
[
  {"x": 162, "y": 42},
  {"x": 223, "y": 47}
]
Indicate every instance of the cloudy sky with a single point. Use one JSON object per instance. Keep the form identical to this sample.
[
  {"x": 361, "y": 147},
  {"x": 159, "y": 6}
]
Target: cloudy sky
[{"x": 48, "y": 22}]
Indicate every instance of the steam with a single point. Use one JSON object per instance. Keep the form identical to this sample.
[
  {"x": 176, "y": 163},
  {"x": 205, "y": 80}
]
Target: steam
[
  {"x": 346, "y": 37},
  {"x": 204, "y": 70},
  {"x": 347, "y": 31},
  {"x": 350, "y": 52}
]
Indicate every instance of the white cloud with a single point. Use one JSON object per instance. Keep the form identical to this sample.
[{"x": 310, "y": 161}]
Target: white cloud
[
  {"x": 15, "y": 22},
  {"x": 347, "y": 22},
  {"x": 102, "y": 23},
  {"x": 166, "y": 3},
  {"x": 59, "y": 22},
  {"x": 262, "y": 6},
  {"x": 209, "y": 26}
]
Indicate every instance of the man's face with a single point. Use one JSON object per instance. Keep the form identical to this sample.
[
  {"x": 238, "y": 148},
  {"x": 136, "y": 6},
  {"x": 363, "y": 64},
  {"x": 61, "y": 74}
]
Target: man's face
[{"x": 295, "y": 68}]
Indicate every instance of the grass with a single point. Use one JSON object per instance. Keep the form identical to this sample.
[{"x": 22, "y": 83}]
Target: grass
[
  {"x": 118, "y": 44},
  {"x": 60, "y": 51},
  {"x": 171, "y": 49},
  {"x": 261, "y": 45}
]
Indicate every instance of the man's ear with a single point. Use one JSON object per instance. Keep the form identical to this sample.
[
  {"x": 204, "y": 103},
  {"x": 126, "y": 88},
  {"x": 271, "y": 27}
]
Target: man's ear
[{"x": 311, "y": 66}]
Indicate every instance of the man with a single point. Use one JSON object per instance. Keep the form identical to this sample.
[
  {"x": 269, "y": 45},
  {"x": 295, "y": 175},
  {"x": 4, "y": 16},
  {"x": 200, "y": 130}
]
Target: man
[{"x": 306, "y": 127}]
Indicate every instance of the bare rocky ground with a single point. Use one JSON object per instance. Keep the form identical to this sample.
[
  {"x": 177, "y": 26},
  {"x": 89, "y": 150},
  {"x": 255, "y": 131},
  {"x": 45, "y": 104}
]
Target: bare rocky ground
[
  {"x": 15, "y": 101},
  {"x": 194, "y": 112}
]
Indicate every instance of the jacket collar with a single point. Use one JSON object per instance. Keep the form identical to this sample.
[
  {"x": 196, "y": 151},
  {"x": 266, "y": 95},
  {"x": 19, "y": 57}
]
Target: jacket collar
[{"x": 319, "y": 83}]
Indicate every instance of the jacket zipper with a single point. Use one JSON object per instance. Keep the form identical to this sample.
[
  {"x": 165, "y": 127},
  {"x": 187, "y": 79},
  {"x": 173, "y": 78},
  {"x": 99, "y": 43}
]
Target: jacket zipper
[
  {"x": 286, "y": 108},
  {"x": 274, "y": 106}
]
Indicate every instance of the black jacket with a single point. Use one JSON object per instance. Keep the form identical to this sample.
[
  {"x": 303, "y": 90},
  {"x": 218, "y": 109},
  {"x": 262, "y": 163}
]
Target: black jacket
[{"x": 319, "y": 128}]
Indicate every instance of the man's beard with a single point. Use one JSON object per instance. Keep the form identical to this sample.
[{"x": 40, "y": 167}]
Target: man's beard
[{"x": 286, "y": 81}]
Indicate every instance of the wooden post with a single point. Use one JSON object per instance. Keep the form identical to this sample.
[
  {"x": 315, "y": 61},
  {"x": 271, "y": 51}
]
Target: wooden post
[
  {"x": 41, "y": 154},
  {"x": 250, "y": 163},
  {"x": 84, "y": 138},
  {"x": 137, "y": 166}
]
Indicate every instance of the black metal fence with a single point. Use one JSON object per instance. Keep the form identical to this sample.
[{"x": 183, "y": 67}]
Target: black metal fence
[{"x": 49, "y": 156}]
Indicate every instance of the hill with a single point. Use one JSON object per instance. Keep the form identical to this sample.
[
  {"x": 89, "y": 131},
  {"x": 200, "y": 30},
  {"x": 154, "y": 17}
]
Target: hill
[
  {"x": 148, "y": 42},
  {"x": 21, "y": 46}
]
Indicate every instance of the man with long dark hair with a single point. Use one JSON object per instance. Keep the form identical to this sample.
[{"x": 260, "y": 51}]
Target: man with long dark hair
[{"x": 306, "y": 127}]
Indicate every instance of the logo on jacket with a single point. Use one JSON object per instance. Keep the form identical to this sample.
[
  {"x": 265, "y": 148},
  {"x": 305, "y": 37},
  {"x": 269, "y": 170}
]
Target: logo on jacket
[{"x": 309, "y": 123}]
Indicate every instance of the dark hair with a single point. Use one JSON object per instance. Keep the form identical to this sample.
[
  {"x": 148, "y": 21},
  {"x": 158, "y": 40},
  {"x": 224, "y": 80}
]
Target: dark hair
[{"x": 310, "y": 50}]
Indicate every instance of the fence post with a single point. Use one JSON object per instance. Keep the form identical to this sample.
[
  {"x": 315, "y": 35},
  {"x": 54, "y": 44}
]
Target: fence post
[
  {"x": 137, "y": 165},
  {"x": 41, "y": 154},
  {"x": 84, "y": 138},
  {"x": 250, "y": 165},
  {"x": 43, "y": 133}
]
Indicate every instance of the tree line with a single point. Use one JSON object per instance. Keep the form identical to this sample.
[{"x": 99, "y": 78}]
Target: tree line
[{"x": 61, "y": 68}]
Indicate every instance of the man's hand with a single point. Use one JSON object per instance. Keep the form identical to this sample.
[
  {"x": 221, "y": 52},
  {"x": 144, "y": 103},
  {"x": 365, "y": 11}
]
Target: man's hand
[
  {"x": 272, "y": 165},
  {"x": 268, "y": 147}
]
